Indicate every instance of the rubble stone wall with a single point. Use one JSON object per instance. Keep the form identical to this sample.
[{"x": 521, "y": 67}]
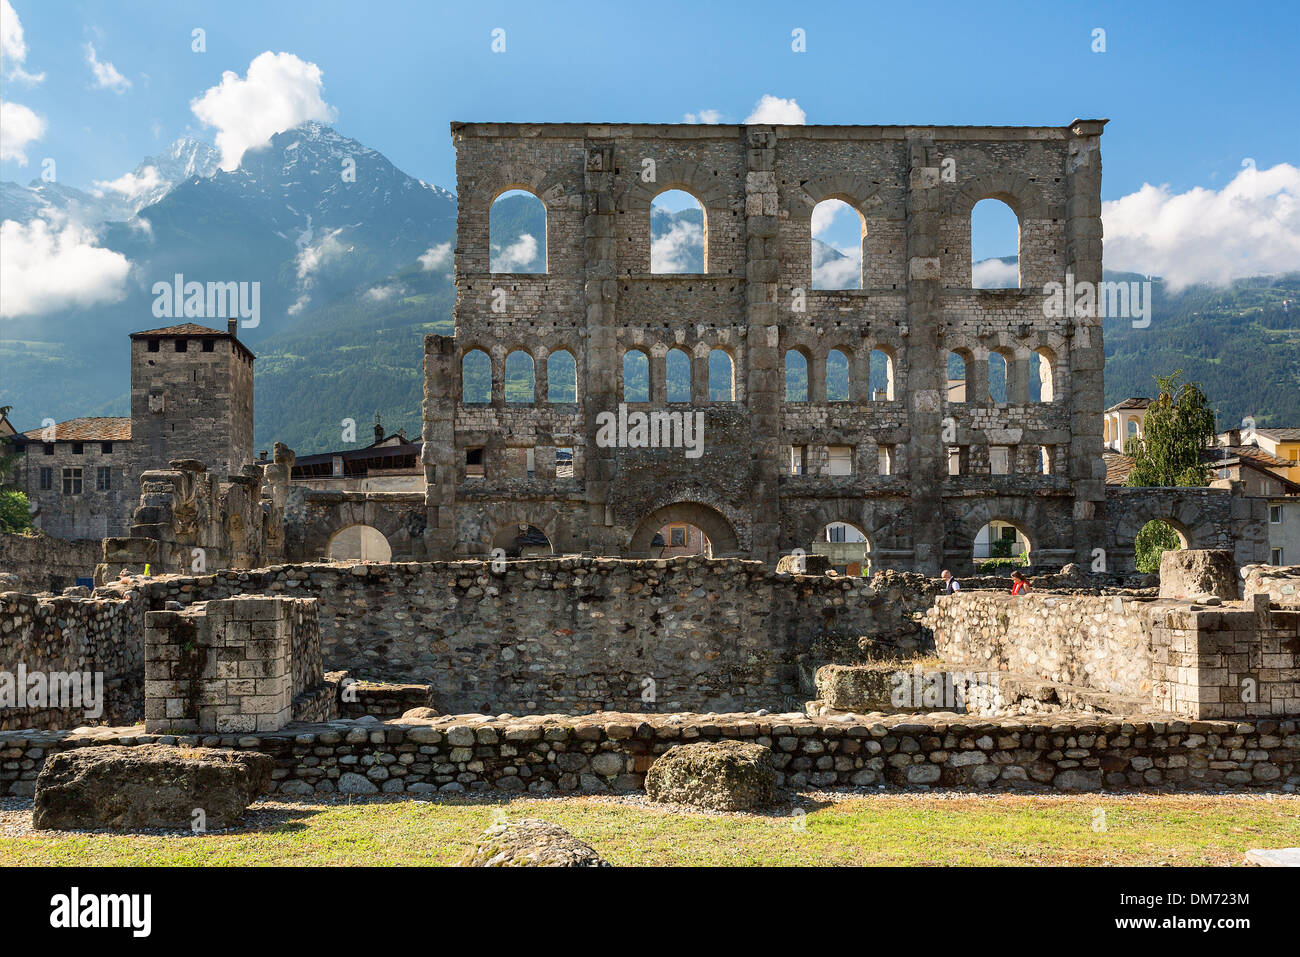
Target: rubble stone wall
[{"x": 611, "y": 752}]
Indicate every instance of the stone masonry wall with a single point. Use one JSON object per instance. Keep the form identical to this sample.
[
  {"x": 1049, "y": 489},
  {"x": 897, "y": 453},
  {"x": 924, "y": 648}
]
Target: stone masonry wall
[
  {"x": 42, "y": 563},
  {"x": 73, "y": 635},
  {"x": 1281, "y": 583},
  {"x": 1199, "y": 661},
  {"x": 611, "y": 752},
  {"x": 226, "y": 665},
  {"x": 572, "y": 635}
]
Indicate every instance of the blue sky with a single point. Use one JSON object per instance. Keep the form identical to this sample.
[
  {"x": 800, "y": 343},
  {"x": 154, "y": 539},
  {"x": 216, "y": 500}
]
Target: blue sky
[{"x": 1191, "y": 89}]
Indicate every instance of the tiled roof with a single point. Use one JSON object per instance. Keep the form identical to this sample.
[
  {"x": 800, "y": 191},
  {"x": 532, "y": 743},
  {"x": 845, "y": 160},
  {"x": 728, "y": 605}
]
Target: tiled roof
[
  {"x": 1132, "y": 402},
  {"x": 1255, "y": 454},
  {"x": 1281, "y": 435},
  {"x": 88, "y": 429},
  {"x": 184, "y": 329},
  {"x": 1117, "y": 467}
]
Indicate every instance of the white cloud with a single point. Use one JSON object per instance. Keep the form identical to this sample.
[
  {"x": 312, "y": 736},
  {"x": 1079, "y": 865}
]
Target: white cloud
[
  {"x": 1251, "y": 227},
  {"x": 515, "y": 257},
  {"x": 678, "y": 250},
  {"x": 279, "y": 93},
  {"x": 436, "y": 257},
  {"x": 380, "y": 293},
  {"x": 774, "y": 110},
  {"x": 131, "y": 185},
  {"x": 704, "y": 116},
  {"x": 46, "y": 268},
  {"x": 312, "y": 256},
  {"x": 19, "y": 126},
  {"x": 830, "y": 271},
  {"x": 13, "y": 48},
  {"x": 106, "y": 75},
  {"x": 994, "y": 274}
]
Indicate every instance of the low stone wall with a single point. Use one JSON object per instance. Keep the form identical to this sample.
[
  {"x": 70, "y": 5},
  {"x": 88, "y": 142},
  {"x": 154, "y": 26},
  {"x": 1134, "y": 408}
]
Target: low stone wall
[
  {"x": 75, "y": 643},
  {"x": 579, "y": 635},
  {"x": 41, "y": 563},
  {"x": 1281, "y": 583},
  {"x": 612, "y": 751},
  {"x": 1225, "y": 660}
]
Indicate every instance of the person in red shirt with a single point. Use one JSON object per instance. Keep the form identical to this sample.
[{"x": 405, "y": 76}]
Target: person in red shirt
[{"x": 1019, "y": 583}]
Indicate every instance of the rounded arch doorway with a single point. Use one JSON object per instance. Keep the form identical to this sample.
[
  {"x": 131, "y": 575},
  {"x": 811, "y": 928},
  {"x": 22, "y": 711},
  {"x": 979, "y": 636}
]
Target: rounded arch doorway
[{"x": 363, "y": 543}]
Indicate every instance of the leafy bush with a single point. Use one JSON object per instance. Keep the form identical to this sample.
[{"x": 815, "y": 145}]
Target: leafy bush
[
  {"x": 15, "y": 515},
  {"x": 1155, "y": 538}
]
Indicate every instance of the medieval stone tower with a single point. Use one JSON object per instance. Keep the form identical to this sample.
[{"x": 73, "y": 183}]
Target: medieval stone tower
[
  {"x": 921, "y": 468},
  {"x": 191, "y": 397}
]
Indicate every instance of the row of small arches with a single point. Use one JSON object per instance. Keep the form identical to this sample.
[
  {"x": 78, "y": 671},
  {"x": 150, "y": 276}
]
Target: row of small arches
[
  {"x": 838, "y": 239},
  {"x": 831, "y": 378}
]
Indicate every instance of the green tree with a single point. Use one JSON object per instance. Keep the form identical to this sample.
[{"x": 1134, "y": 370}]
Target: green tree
[
  {"x": 1155, "y": 538},
  {"x": 15, "y": 515},
  {"x": 1178, "y": 426}
]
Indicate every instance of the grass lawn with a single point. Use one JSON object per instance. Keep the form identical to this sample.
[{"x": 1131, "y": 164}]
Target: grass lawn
[{"x": 832, "y": 829}]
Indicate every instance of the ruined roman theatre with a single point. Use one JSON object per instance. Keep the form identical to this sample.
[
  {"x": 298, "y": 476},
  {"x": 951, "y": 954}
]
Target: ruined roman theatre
[{"x": 530, "y": 610}]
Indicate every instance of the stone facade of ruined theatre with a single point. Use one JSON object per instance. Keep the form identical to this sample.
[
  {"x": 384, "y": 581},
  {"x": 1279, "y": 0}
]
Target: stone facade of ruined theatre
[{"x": 758, "y": 186}]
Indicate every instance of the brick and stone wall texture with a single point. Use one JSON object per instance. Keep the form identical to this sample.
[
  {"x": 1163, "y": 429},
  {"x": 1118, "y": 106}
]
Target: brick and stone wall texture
[
  {"x": 1281, "y": 583},
  {"x": 572, "y": 635},
  {"x": 41, "y": 563},
  {"x": 92, "y": 636},
  {"x": 612, "y": 751},
  {"x": 228, "y": 665},
  {"x": 1229, "y": 660}
]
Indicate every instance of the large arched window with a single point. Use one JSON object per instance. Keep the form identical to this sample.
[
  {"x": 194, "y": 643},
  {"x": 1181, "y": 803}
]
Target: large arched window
[
  {"x": 999, "y": 373},
  {"x": 839, "y": 237},
  {"x": 796, "y": 376},
  {"x": 956, "y": 377},
  {"x": 517, "y": 233},
  {"x": 520, "y": 385},
  {"x": 561, "y": 377},
  {"x": 678, "y": 233},
  {"x": 994, "y": 246},
  {"x": 722, "y": 377},
  {"x": 1041, "y": 384},
  {"x": 476, "y": 378},
  {"x": 677, "y": 372},
  {"x": 636, "y": 376},
  {"x": 1003, "y": 541},
  {"x": 837, "y": 376},
  {"x": 882, "y": 375}
]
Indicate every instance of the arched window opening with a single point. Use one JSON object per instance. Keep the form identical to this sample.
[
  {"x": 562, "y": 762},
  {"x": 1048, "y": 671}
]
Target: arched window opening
[
  {"x": 517, "y": 233},
  {"x": 1041, "y": 388},
  {"x": 359, "y": 543},
  {"x": 677, "y": 372},
  {"x": 998, "y": 370},
  {"x": 520, "y": 389},
  {"x": 1154, "y": 539},
  {"x": 995, "y": 246},
  {"x": 722, "y": 377},
  {"x": 636, "y": 376},
  {"x": 476, "y": 378},
  {"x": 796, "y": 376},
  {"x": 846, "y": 547},
  {"x": 561, "y": 377},
  {"x": 680, "y": 538},
  {"x": 522, "y": 541},
  {"x": 839, "y": 238},
  {"x": 956, "y": 377},
  {"x": 678, "y": 233},
  {"x": 882, "y": 376},
  {"x": 837, "y": 376},
  {"x": 999, "y": 545}
]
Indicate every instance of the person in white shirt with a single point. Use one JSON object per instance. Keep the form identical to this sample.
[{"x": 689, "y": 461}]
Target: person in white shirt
[{"x": 950, "y": 584}]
